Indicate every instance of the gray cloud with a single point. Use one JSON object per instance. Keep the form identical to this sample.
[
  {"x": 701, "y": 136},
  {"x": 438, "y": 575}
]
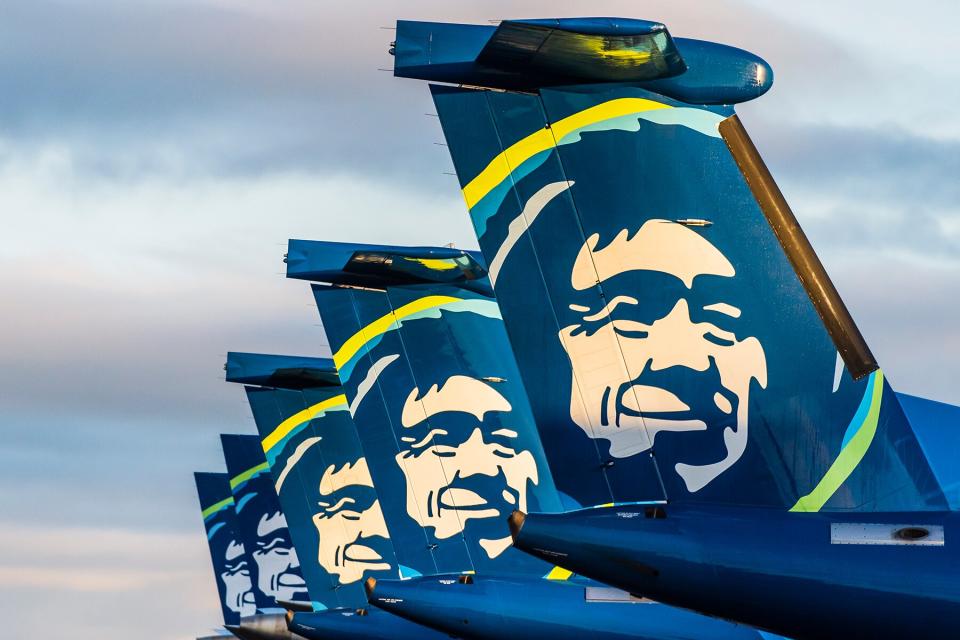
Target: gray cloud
[
  {"x": 213, "y": 87},
  {"x": 869, "y": 190}
]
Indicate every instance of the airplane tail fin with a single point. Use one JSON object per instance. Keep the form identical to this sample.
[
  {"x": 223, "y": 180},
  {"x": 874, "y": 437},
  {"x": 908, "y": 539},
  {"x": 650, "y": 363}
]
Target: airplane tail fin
[
  {"x": 664, "y": 304},
  {"x": 429, "y": 365},
  {"x": 360, "y": 373},
  {"x": 261, "y": 524},
  {"x": 316, "y": 461},
  {"x": 230, "y": 563}
]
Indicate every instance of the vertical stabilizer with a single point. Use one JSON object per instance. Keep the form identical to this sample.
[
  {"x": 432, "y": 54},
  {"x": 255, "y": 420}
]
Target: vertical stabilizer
[
  {"x": 275, "y": 568},
  {"x": 327, "y": 494},
  {"x": 428, "y": 366},
  {"x": 665, "y": 306},
  {"x": 231, "y": 567}
]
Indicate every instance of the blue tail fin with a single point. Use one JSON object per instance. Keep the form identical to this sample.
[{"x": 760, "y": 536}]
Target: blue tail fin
[
  {"x": 230, "y": 563},
  {"x": 443, "y": 418},
  {"x": 327, "y": 495},
  {"x": 674, "y": 328},
  {"x": 937, "y": 426},
  {"x": 275, "y": 568}
]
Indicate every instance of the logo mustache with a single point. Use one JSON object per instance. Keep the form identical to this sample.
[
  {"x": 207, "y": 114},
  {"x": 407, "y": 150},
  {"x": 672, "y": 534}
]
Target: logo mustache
[
  {"x": 684, "y": 394},
  {"x": 364, "y": 551},
  {"x": 476, "y": 492}
]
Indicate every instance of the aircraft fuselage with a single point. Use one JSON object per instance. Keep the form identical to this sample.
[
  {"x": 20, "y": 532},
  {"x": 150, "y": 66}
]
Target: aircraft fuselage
[{"x": 803, "y": 575}]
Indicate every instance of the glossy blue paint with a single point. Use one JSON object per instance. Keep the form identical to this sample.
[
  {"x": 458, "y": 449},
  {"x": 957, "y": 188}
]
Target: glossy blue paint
[
  {"x": 319, "y": 436},
  {"x": 676, "y": 354},
  {"x": 369, "y": 265},
  {"x": 261, "y": 525},
  {"x": 297, "y": 466},
  {"x": 532, "y": 54},
  {"x": 459, "y": 333},
  {"x": 230, "y": 563},
  {"x": 937, "y": 426},
  {"x": 368, "y": 624},
  {"x": 397, "y": 349},
  {"x": 774, "y": 570},
  {"x": 284, "y": 372},
  {"x": 763, "y": 423},
  {"x": 487, "y": 607}
]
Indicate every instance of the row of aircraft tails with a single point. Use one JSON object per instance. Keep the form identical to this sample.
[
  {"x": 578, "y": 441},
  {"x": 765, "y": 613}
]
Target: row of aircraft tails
[{"x": 641, "y": 410}]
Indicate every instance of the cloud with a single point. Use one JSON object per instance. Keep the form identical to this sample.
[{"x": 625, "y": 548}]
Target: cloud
[
  {"x": 61, "y": 575},
  {"x": 221, "y": 87},
  {"x": 122, "y": 299}
]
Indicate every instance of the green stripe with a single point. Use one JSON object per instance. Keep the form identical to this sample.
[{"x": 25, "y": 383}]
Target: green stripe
[
  {"x": 212, "y": 509},
  {"x": 850, "y": 456},
  {"x": 249, "y": 473}
]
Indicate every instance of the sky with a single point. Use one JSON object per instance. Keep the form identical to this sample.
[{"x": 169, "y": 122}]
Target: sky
[{"x": 155, "y": 156}]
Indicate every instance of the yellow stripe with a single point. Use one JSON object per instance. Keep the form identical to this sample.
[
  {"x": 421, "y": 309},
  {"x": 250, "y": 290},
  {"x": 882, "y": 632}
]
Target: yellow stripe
[
  {"x": 381, "y": 325},
  {"x": 559, "y": 573},
  {"x": 501, "y": 166},
  {"x": 291, "y": 423},
  {"x": 436, "y": 264}
]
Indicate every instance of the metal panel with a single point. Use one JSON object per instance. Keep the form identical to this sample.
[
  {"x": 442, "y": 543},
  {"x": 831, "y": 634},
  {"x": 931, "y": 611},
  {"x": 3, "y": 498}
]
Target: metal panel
[{"x": 886, "y": 534}]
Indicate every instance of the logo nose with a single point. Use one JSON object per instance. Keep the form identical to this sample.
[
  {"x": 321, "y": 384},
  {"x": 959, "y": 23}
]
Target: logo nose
[
  {"x": 675, "y": 340},
  {"x": 473, "y": 457}
]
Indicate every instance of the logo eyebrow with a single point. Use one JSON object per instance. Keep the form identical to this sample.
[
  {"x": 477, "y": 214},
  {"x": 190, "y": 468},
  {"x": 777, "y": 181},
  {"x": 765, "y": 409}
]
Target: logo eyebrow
[
  {"x": 723, "y": 307},
  {"x": 270, "y": 545},
  {"x": 610, "y": 306},
  {"x": 423, "y": 441},
  {"x": 339, "y": 504}
]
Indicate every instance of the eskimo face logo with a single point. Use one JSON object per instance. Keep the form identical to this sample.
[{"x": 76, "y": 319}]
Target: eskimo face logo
[
  {"x": 456, "y": 469},
  {"x": 662, "y": 358},
  {"x": 349, "y": 523},
  {"x": 275, "y": 559},
  {"x": 238, "y": 595}
]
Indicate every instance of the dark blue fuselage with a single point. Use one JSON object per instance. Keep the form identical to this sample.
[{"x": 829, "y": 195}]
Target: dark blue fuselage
[
  {"x": 364, "y": 624},
  {"x": 803, "y": 575},
  {"x": 490, "y": 607}
]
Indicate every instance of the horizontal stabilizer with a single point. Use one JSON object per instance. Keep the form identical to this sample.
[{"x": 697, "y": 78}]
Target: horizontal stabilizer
[
  {"x": 529, "y": 55},
  {"x": 937, "y": 427},
  {"x": 282, "y": 372},
  {"x": 375, "y": 266},
  {"x": 295, "y": 605},
  {"x": 584, "y": 49}
]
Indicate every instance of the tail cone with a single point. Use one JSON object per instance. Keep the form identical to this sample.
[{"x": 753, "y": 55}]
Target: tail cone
[{"x": 515, "y": 520}]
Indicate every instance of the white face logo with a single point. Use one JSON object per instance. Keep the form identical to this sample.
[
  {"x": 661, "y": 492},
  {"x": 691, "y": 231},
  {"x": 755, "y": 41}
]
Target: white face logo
[
  {"x": 449, "y": 471},
  {"x": 236, "y": 578},
  {"x": 619, "y": 358},
  {"x": 350, "y": 516},
  {"x": 275, "y": 560}
]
